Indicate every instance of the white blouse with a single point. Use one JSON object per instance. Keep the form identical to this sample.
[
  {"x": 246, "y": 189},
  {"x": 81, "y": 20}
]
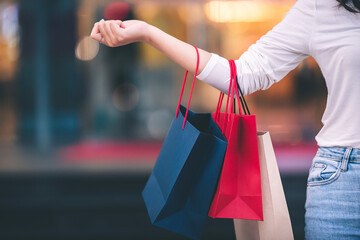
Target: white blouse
[{"x": 317, "y": 28}]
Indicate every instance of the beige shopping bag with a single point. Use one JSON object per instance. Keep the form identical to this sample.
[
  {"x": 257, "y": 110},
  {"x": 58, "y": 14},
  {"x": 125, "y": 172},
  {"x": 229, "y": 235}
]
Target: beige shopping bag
[{"x": 276, "y": 224}]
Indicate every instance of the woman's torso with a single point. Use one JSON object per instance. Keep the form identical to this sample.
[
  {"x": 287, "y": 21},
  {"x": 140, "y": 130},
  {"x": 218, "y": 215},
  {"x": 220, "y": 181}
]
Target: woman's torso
[{"x": 335, "y": 45}]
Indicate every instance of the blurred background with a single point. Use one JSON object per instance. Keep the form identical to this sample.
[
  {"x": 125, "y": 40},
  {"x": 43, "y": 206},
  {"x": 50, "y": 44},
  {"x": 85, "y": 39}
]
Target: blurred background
[{"x": 81, "y": 124}]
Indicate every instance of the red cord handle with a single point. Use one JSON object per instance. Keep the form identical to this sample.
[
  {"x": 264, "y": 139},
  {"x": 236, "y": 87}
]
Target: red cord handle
[
  {"x": 233, "y": 89},
  {"x": 192, "y": 88},
  {"x": 227, "y": 104},
  {"x": 217, "y": 112}
]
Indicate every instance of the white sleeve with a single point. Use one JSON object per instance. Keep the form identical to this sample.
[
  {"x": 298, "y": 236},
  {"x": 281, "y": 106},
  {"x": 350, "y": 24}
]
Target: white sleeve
[{"x": 271, "y": 57}]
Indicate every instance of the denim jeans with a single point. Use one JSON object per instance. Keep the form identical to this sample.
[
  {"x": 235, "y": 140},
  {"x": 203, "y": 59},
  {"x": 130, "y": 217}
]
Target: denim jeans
[{"x": 333, "y": 195}]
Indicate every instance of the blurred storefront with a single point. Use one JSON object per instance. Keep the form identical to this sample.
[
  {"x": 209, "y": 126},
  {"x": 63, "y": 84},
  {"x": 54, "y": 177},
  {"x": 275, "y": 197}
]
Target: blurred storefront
[{"x": 59, "y": 86}]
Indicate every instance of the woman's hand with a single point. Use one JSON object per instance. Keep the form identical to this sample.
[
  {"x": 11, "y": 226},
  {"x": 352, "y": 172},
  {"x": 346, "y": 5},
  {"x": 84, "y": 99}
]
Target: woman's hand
[{"x": 116, "y": 33}]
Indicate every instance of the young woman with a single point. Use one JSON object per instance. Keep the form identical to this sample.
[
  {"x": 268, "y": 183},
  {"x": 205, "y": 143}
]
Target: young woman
[{"x": 327, "y": 30}]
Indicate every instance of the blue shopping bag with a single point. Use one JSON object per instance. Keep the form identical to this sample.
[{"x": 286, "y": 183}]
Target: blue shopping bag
[{"x": 180, "y": 189}]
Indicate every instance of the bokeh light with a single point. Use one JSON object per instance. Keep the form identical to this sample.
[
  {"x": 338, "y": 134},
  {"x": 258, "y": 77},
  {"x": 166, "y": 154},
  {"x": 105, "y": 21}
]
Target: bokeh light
[
  {"x": 87, "y": 49},
  {"x": 117, "y": 11},
  {"x": 10, "y": 24},
  {"x": 237, "y": 11},
  {"x": 9, "y": 40}
]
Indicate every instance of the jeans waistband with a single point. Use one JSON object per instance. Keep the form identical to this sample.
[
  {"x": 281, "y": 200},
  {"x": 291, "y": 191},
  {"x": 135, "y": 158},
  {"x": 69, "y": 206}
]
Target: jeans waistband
[{"x": 339, "y": 153}]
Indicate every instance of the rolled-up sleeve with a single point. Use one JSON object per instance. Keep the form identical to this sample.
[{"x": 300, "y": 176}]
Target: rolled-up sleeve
[{"x": 271, "y": 57}]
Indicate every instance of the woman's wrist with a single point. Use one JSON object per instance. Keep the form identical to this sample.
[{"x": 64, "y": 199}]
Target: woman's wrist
[{"x": 149, "y": 32}]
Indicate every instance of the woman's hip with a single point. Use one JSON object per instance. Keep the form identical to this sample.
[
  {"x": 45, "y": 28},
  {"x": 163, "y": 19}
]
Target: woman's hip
[{"x": 333, "y": 194}]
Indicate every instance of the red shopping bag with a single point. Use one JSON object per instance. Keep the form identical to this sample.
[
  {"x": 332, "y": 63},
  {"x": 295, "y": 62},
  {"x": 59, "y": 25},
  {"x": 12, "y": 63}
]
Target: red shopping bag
[{"x": 238, "y": 193}]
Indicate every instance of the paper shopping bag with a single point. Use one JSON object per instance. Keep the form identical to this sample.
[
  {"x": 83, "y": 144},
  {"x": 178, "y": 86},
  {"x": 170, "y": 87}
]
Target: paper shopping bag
[
  {"x": 179, "y": 191},
  {"x": 238, "y": 193},
  {"x": 276, "y": 224}
]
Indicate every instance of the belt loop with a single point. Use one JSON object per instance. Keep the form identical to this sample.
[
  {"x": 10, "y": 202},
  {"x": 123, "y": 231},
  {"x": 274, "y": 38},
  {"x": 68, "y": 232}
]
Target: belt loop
[{"x": 345, "y": 159}]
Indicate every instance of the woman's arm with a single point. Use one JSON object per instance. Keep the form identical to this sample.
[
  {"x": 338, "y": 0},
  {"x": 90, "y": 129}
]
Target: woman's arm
[
  {"x": 263, "y": 64},
  {"x": 118, "y": 33}
]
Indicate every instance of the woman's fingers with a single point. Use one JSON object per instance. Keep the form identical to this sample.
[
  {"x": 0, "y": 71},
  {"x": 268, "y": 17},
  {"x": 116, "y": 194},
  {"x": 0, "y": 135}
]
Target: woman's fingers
[
  {"x": 120, "y": 23},
  {"x": 111, "y": 38},
  {"x": 97, "y": 37},
  {"x": 95, "y": 33},
  {"x": 95, "y": 29},
  {"x": 105, "y": 37},
  {"x": 116, "y": 30}
]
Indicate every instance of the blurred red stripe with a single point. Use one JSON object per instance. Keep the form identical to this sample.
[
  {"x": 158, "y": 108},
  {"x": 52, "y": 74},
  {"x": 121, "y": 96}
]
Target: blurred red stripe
[
  {"x": 111, "y": 151},
  {"x": 290, "y": 157}
]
